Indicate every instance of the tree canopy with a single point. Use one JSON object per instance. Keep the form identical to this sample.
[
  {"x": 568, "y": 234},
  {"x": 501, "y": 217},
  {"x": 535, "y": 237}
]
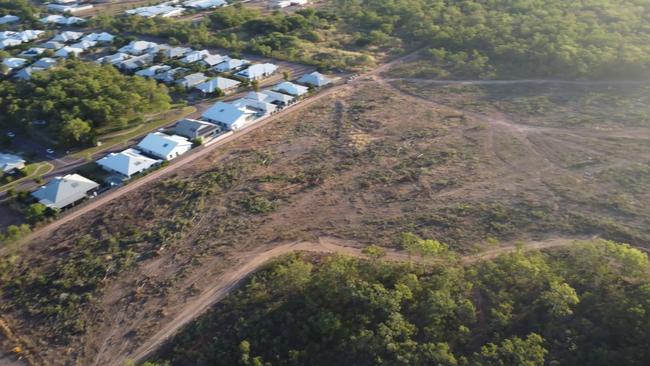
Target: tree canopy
[
  {"x": 585, "y": 305},
  {"x": 79, "y": 100}
]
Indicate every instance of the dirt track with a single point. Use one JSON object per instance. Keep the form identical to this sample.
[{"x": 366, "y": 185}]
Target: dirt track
[{"x": 253, "y": 261}]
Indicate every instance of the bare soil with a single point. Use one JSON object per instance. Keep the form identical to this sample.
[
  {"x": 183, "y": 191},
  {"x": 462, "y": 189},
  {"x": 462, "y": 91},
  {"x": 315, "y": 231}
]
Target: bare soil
[{"x": 362, "y": 164}]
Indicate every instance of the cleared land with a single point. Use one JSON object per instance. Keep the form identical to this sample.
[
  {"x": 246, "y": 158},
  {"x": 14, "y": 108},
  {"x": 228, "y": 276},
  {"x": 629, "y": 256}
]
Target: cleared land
[{"x": 363, "y": 164}]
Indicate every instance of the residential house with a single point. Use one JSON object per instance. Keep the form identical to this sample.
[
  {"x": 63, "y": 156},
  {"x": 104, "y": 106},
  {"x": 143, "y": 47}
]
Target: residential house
[
  {"x": 65, "y": 191},
  {"x": 229, "y": 116},
  {"x": 24, "y": 74},
  {"x": 114, "y": 59},
  {"x": 164, "y": 10},
  {"x": 62, "y": 20},
  {"x": 213, "y": 60},
  {"x": 67, "y": 36},
  {"x": 103, "y": 38},
  {"x": 272, "y": 97},
  {"x": 164, "y": 146},
  {"x": 224, "y": 84},
  {"x": 8, "y": 19},
  {"x": 192, "y": 80},
  {"x": 74, "y": 8},
  {"x": 258, "y": 71},
  {"x": 278, "y": 4},
  {"x": 176, "y": 52},
  {"x": 32, "y": 52},
  {"x": 127, "y": 163},
  {"x": 290, "y": 88},
  {"x": 315, "y": 79},
  {"x": 194, "y": 129},
  {"x": 45, "y": 63},
  {"x": 84, "y": 45},
  {"x": 137, "y": 47},
  {"x": 153, "y": 70},
  {"x": 9, "y": 42},
  {"x": 231, "y": 64},
  {"x": 52, "y": 45},
  {"x": 136, "y": 62},
  {"x": 14, "y": 62},
  {"x": 171, "y": 76},
  {"x": 194, "y": 56},
  {"x": 260, "y": 107},
  {"x": 10, "y": 163},
  {"x": 66, "y": 51},
  {"x": 204, "y": 4}
]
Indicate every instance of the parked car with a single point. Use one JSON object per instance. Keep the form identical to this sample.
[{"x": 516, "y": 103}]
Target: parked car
[
  {"x": 11, "y": 134},
  {"x": 49, "y": 151}
]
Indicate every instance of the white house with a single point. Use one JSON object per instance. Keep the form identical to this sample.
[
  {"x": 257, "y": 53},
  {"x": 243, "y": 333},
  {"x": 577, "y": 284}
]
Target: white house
[
  {"x": 192, "y": 80},
  {"x": 64, "y": 191},
  {"x": 84, "y": 45},
  {"x": 10, "y": 162},
  {"x": 14, "y": 62},
  {"x": 229, "y": 116},
  {"x": 114, "y": 59},
  {"x": 153, "y": 70},
  {"x": 164, "y": 146},
  {"x": 74, "y": 8},
  {"x": 137, "y": 47},
  {"x": 127, "y": 162},
  {"x": 32, "y": 52},
  {"x": 195, "y": 56},
  {"x": 272, "y": 97},
  {"x": 170, "y": 76},
  {"x": 224, "y": 84},
  {"x": 204, "y": 4},
  {"x": 62, "y": 20},
  {"x": 231, "y": 64},
  {"x": 258, "y": 71},
  {"x": 103, "y": 37},
  {"x": 213, "y": 60},
  {"x": 262, "y": 108},
  {"x": 24, "y": 74},
  {"x": 67, "y": 36},
  {"x": 45, "y": 63},
  {"x": 7, "y": 19},
  {"x": 161, "y": 10},
  {"x": 52, "y": 45},
  {"x": 66, "y": 51},
  {"x": 290, "y": 88},
  {"x": 278, "y": 4},
  {"x": 9, "y": 42},
  {"x": 136, "y": 62},
  {"x": 315, "y": 79}
]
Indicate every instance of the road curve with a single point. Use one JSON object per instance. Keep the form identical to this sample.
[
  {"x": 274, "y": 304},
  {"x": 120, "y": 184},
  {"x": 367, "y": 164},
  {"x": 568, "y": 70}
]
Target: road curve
[{"x": 254, "y": 260}]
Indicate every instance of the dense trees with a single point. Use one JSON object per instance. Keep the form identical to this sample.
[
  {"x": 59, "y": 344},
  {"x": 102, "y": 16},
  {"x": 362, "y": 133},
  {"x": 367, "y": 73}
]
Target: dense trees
[
  {"x": 21, "y": 8},
  {"x": 586, "y": 305},
  {"x": 80, "y": 100}
]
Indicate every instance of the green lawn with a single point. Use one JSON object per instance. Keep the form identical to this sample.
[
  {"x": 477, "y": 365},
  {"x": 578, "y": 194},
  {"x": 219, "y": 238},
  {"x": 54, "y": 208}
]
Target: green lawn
[
  {"x": 32, "y": 171},
  {"x": 122, "y": 138}
]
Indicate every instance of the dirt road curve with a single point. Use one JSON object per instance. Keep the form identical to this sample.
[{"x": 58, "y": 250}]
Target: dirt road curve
[{"x": 253, "y": 261}]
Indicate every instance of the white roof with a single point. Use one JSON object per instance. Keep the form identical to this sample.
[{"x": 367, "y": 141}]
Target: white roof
[
  {"x": 66, "y": 51},
  {"x": 314, "y": 79},
  {"x": 9, "y": 19},
  {"x": 99, "y": 37},
  {"x": 258, "y": 70},
  {"x": 52, "y": 45},
  {"x": 14, "y": 62},
  {"x": 204, "y": 4},
  {"x": 137, "y": 47},
  {"x": 63, "y": 191},
  {"x": 212, "y": 60},
  {"x": 212, "y": 85},
  {"x": 270, "y": 96},
  {"x": 163, "y": 10},
  {"x": 230, "y": 64},
  {"x": 161, "y": 144},
  {"x": 226, "y": 113},
  {"x": 44, "y": 63},
  {"x": 67, "y": 36},
  {"x": 290, "y": 88},
  {"x": 84, "y": 45},
  {"x": 195, "y": 56},
  {"x": 114, "y": 58},
  {"x": 32, "y": 52},
  {"x": 127, "y": 162},
  {"x": 257, "y": 105},
  {"x": 9, "y": 42},
  {"x": 9, "y": 162},
  {"x": 153, "y": 70}
]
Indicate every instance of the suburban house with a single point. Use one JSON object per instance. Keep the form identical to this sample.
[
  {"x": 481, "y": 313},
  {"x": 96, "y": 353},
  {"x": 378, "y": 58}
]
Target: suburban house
[
  {"x": 229, "y": 116},
  {"x": 262, "y": 108},
  {"x": 161, "y": 10},
  {"x": 175, "y": 52},
  {"x": 192, "y": 80},
  {"x": 10, "y": 163},
  {"x": 194, "y": 129},
  {"x": 290, "y": 88},
  {"x": 84, "y": 45},
  {"x": 137, "y": 47},
  {"x": 113, "y": 59},
  {"x": 205, "y": 4},
  {"x": 164, "y": 146},
  {"x": 258, "y": 71},
  {"x": 213, "y": 60},
  {"x": 136, "y": 62},
  {"x": 278, "y": 4},
  {"x": 62, "y": 20},
  {"x": 7, "y": 19},
  {"x": 170, "y": 76},
  {"x": 151, "y": 71},
  {"x": 32, "y": 52},
  {"x": 64, "y": 191},
  {"x": 315, "y": 79},
  {"x": 127, "y": 163},
  {"x": 194, "y": 56},
  {"x": 224, "y": 84},
  {"x": 66, "y": 51},
  {"x": 52, "y": 45},
  {"x": 73, "y": 8},
  {"x": 9, "y": 42},
  {"x": 24, "y": 74},
  {"x": 44, "y": 64},
  {"x": 14, "y": 62},
  {"x": 231, "y": 64},
  {"x": 99, "y": 37},
  {"x": 272, "y": 97},
  {"x": 67, "y": 36}
]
